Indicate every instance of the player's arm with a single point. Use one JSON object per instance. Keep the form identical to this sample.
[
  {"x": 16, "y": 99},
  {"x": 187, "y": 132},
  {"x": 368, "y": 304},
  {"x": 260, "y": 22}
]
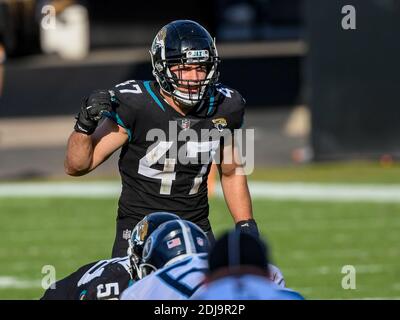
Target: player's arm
[
  {"x": 235, "y": 189},
  {"x": 90, "y": 145}
]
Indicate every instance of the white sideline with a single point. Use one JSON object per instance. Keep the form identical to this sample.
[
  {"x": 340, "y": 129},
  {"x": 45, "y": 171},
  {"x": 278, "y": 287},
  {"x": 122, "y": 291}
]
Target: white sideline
[{"x": 266, "y": 190}]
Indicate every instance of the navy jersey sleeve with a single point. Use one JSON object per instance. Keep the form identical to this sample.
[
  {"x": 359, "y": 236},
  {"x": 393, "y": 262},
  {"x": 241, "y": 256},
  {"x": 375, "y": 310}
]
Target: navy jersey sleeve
[
  {"x": 108, "y": 286},
  {"x": 233, "y": 107},
  {"x": 238, "y": 109},
  {"x": 65, "y": 289},
  {"x": 126, "y": 101}
]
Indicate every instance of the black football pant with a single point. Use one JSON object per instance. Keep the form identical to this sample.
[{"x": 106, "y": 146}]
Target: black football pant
[{"x": 125, "y": 226}]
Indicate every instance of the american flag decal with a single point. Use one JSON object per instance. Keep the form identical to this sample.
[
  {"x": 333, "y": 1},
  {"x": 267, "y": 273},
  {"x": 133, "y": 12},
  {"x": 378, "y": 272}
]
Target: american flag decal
[{"x": 174, "y": 243}]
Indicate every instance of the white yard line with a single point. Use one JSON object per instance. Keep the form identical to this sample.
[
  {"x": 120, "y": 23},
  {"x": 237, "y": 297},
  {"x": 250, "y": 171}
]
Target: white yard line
[
  {"x": 266, "y": 190},
  {"x": 326, "y": 192},
  {"x": 325, "y": 270},
  {"x": 61, "y": 189},
  {"x": 7, "y": 282}
]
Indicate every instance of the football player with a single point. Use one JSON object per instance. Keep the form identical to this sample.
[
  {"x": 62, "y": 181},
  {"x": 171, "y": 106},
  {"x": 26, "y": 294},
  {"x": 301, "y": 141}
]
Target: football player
[
  {"x": 185, "y": 95},
  {"x": 106, "y": 279},
  {"x": 239, "y": 270},
  {"x": 174, "y": 263}
]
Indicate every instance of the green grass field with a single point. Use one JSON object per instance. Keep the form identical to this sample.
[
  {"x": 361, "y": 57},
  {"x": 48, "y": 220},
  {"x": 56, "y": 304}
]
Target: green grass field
[{"x": 310, "y": 242}]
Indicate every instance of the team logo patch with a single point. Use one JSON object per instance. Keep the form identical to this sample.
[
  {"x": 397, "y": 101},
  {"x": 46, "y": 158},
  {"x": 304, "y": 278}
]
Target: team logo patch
[
  {"x": 147, "y": 247},
  {"x": 220, "y": 124},
  {"x": 143, "y": 229},
  {"x": 174, "y": 243},
  {"x": 159, "y": 41},
  {"x": 185, "y": 124},
  {"x": 126, "y": 234}
]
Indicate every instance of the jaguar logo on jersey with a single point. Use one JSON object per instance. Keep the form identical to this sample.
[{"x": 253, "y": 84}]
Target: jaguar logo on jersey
[
  {"x": 126, "y": 234},
  {"x": 220, "y": 124}
]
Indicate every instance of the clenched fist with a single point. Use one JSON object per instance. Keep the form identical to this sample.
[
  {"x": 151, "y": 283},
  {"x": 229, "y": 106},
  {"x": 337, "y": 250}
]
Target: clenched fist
[{"x": 92, "y": 109}]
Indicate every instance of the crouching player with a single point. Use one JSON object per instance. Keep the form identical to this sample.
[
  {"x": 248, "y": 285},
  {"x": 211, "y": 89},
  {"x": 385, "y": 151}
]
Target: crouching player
[
  {"x": 239, "y": 270},
  {"x": 174, "y": 263},
  {"x": 106, "y": 279}
]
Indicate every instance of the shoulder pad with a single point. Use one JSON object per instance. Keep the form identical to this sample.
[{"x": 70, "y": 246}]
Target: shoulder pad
[{"x": 129, "y": 92}]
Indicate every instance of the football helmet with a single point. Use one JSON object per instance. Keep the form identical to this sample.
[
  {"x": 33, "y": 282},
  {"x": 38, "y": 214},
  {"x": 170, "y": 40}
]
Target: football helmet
[
  {"x": 172, "y": 241},
  {"x": 184, "y": 42},
  {"x": 143, "y": 230}
]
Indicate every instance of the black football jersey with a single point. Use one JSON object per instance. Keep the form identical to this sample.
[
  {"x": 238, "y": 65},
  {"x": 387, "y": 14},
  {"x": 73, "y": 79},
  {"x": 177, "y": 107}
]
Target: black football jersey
[
  {"x": 162, "y": 167},
  {"x": 100, "y": 280}
]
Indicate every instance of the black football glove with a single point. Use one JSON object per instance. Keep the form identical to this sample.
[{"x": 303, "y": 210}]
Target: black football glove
[
  {"x": 92, "y": 109},
  {"x": 249, "y": 227}
]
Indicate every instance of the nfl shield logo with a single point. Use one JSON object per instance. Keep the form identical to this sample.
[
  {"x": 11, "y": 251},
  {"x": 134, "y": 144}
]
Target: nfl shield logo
[
  {"x": 185, "y": 124},
  {"x": 200, "y": 242},
  {"x": 126, "y": 234}
]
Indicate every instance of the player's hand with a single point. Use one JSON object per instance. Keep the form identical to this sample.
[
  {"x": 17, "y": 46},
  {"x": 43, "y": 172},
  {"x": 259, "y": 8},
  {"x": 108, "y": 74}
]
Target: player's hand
[
  {"x": 92, "y": 109},
  {"x": 249, "y": 227}
]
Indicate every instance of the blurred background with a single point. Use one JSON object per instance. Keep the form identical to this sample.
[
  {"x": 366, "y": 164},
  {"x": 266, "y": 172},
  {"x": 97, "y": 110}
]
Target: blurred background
[{"x": 323, "y": 101}]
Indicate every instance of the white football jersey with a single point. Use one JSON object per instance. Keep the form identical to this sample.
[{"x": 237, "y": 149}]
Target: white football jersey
[
  {"x": 178, "y": 281},
  {"x": 244, "y": 287}
]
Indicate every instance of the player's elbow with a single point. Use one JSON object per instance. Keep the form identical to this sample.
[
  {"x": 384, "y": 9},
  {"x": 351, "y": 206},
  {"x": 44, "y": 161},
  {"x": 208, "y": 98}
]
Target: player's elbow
[{"x": 75, "y": 170}]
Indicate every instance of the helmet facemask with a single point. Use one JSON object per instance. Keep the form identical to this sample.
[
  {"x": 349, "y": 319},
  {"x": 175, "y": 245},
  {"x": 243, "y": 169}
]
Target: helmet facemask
[
  {"x": 172, "y": 84},
  {"x": 144, "y": 269}
]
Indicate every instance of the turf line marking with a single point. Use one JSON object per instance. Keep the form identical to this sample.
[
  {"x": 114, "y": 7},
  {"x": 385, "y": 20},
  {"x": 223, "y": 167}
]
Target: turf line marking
[
  {"x": 7, "y": 282},
  {"x": 264, "y": 190},
  {"x": 325, "y": 270}
]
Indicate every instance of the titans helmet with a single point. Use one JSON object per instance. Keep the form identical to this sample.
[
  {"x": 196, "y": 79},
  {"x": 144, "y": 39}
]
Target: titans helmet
[
  {"x": 172, "y": 241},
  {"x": 183, "y": 42},
  {"x": 144, "y": 228}
]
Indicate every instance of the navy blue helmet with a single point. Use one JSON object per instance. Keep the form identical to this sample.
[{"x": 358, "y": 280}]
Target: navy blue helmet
[
  {"x": 171, "y": 241},
  {"x": 144, "y": 228},
  {"x": 183, "y": 42}
]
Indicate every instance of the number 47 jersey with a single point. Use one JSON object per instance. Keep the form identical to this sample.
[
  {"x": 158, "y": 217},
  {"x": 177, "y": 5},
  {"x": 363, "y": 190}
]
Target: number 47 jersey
[{"x": 165, "y": 163}]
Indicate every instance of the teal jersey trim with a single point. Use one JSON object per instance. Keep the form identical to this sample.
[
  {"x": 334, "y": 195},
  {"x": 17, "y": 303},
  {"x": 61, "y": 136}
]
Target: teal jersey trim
[
  {"x": 155, "y": 98},
  {"x": 82, "y": 294},
  {"x": 242, "y": 124},
  {"x": 115, "y": 117},
  {"x": 211, "y": 105}
]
